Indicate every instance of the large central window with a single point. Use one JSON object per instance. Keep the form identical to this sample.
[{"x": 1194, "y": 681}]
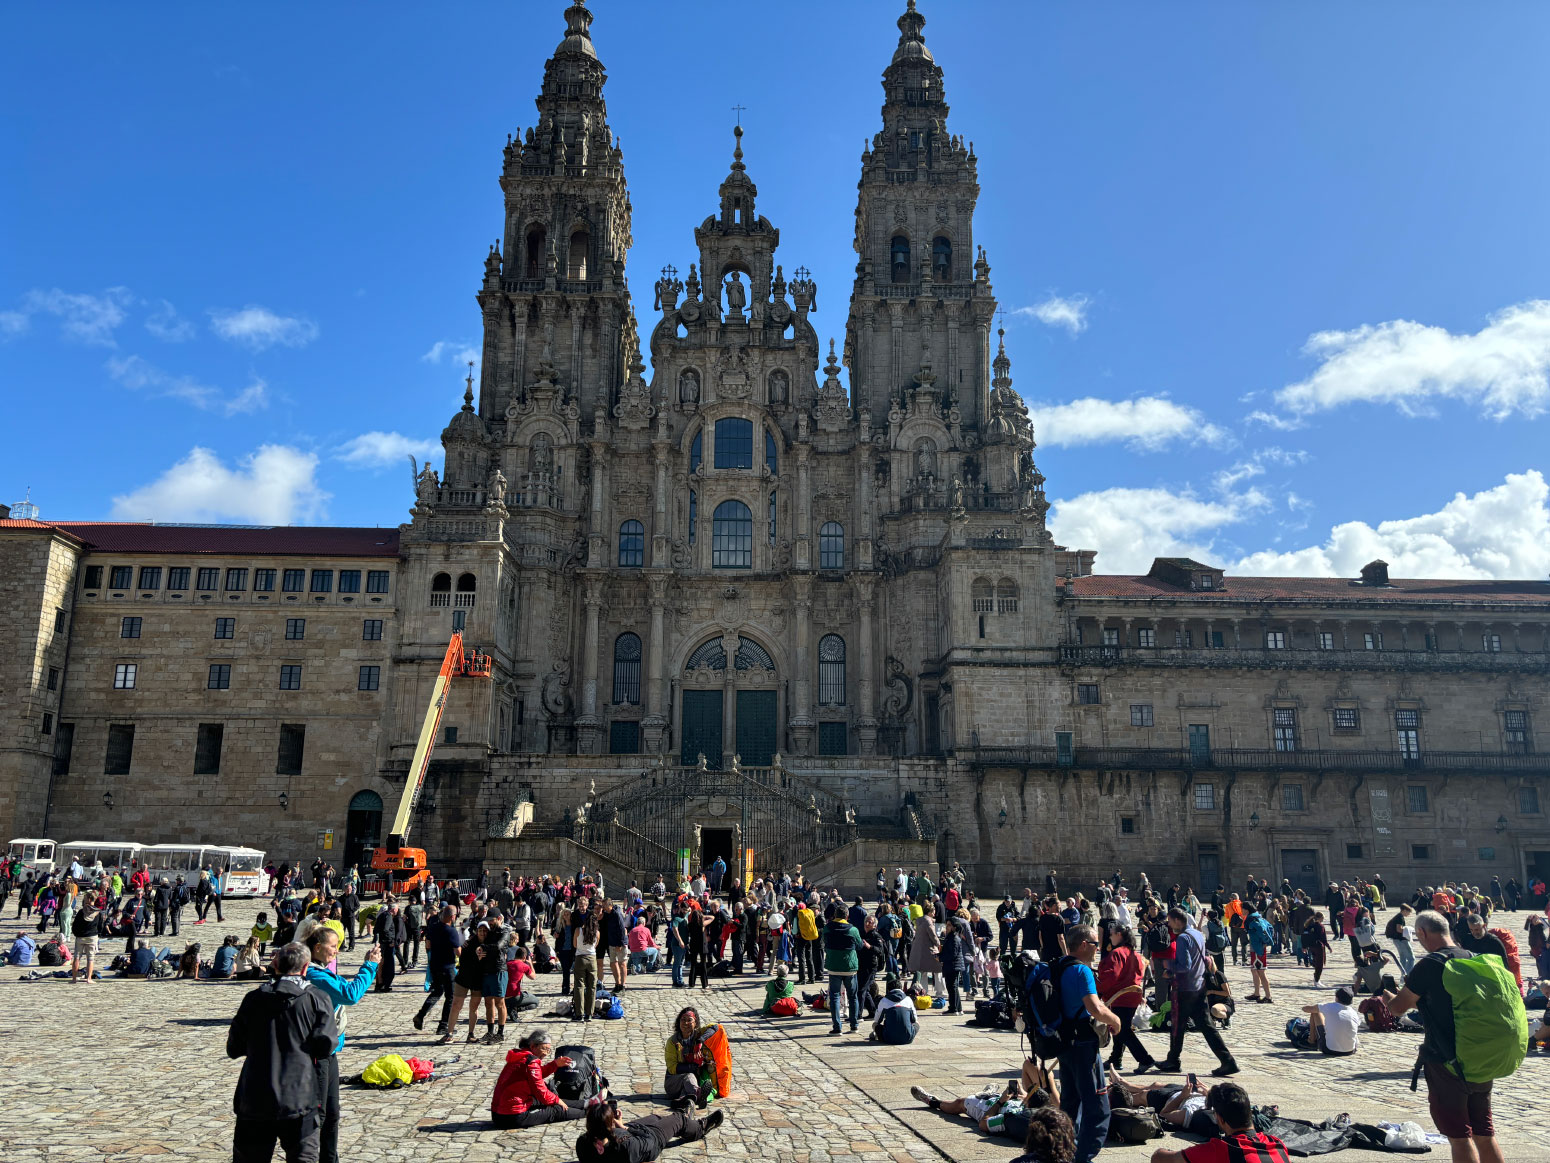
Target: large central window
[
  {"x": 731, "y": 541},
  {"x": 734, "y": 443}
]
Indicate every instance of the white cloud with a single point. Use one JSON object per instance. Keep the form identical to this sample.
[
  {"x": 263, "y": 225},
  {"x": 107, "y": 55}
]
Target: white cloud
[
  {"x": 1148, "y": 423},
  {"x": 1502, "y": 368},
  {"x": 1502, "y": 532},
  {"x": 454, "y": 351},
  {"x": 276, "y": 485},
  {"x": 139, "y": 375},
  {"x": 1231, "y": 477},
  {"x": 1129, "y": 527},
  {"x": 89, "y": 319},
  {"x": 377, "y": 449},
  {"x": 167, "y": 325},
  {"x": 1068, "y": 311},
  {"x": 1271, "y": 420},
  {"x": 259, "y": 327}
]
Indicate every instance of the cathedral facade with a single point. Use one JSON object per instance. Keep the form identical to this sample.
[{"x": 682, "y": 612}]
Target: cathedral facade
[{"x": 788, "y": 600}]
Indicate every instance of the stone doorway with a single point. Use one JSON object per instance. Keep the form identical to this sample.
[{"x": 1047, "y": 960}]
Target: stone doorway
[
  {"x": 1301, "y": 867},
  {"x": 716, "y": 842}
]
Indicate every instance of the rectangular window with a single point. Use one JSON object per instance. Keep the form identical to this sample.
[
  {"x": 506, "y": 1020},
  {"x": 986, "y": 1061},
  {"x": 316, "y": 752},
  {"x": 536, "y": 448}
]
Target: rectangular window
[
  {"x": 295, "y": 628},
  {"x": 1409, "y": 745},
  {"x": 1205, "y": 797},
  {"x": 1516, "y": 731},
  {"x": 1420, "y": 852},
  {"x": 236, "y": 579},
  {"x": 1275, "y": 639},
  {"x": 1326, "y": 640},
  {"x": 124, "y": 676},
  {"x": 263, "y": 581},
  {"x": 1528, "y": 801},
  {"x": 220, "y": 677},
  {"x": 129, "y": 628},
  {"x": 1184, "y": 638},
  {"x": 1487, "y": 853},
  {"x": 1431, "y": 642},
  {"x": 371, "y": 630},
  {"x": 349, "y": 581},
  {"x": 120, "y": 577},
  {"x": 370, "y": 678},
  {"x": 1140, "y": 714},
  {"x": 121, "y": 749},
  {"x": 1353, "y": 852},
  {"x": 1284, "y": 728},
  {"x": 53, "y": 678},
  {"x": 734, "y": 443},
  {"x": 94, "y": 577},
  {"x": 1347, "y": 719},
  {"x": 1110, "y": 636},
  {"x": 1407, "y": 718},
  {"x": 48, "y": 723},
  {"x": 1087, "y": 692},
  {"x": 208, "y": 578},
  {"x": 293, "y": 744},
  {"x": 1146, "y": 637},
  {"x": 1291, "y": 797},
  {"x": 377, "y": 581},
  {"x": 1127, "y": 825},
  {"x": 150, "y": 577},
  {"x": 293, "y": 581},
  {"x": 833, "y": 738},
  {"x": 623, "y": 738},
  {"x": 322, "y": 581},
  {"x": 1217, "y": 641},
  {"x": 1491, "y": 643},
  {"x": 1416, "y": 799},
  {"x": 64, "y": 744},
  {"x": 226, "y": 627},
  {"x": 449, "y": 734},
  {"x": 207, "y": 749},
  {"x": 1065, "y": 749},
  {"x": 290, "y": 678},
  {"x": 1372, "y": 641},
  {"x": 177, "y": 577}
]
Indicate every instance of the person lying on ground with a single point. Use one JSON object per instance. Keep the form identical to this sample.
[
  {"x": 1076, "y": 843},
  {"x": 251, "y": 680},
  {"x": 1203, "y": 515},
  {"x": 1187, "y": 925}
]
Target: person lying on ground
[
  {"x": 1180, "y": 1106},
  {"x": 1005, "y": 1114},
  {"x": 609, "y": 1139},
  {"x": 1229, "y": 1105}
]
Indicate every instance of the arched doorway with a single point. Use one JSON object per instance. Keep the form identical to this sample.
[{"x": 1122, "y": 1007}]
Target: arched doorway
[
  {"x": 748, "y": 693},
  {"x": 363, "y": 826}
]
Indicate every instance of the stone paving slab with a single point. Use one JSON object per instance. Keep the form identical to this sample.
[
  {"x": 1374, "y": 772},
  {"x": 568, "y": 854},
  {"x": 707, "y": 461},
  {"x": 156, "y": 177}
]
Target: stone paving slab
[{"x": 126, "y": 1070}]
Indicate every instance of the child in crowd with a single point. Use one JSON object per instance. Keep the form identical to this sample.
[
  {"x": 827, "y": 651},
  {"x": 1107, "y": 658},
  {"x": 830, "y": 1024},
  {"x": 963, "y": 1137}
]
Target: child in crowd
[{"x": 263, "y": 932}]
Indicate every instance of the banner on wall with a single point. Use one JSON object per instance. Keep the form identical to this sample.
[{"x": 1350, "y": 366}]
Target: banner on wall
[
  {"x": 747, "y": 869},
  {"x": 683, "y": 863}
]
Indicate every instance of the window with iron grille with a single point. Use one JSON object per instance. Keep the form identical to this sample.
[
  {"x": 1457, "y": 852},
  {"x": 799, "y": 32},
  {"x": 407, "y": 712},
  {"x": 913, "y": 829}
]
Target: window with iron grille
[
  {"x": 124, "y": 675},
  {"x": 207, "y": 749},
  {"x": 1347, "y": 719},
  {"x": 1516, "y": 730},
  {"x": 177, "y": 577},
  {"x": 293, "y": 581},
  {"x": 53, "y": 678},
  {"x": 322, "y": 581},
  {"x": 226, "y": 627},
  {"x": 731, "y": 543},
  {"x": 150, "y": 577},
  {"x": 236, "y": 579},
  {"x": 129, "y": 628},
  {"x": 377, "y": 581},
  {"x": 371, "y": 630},
  {"x": 121, "y": 749},
  {"x": 64, "y": 744},
  {"x": 1291, "y": 797},
  {"x": 831, "y": 546},
  {"x": 219, "y": 678},
  {"x": 833, "y": 739},
  {"x": 1420, "y": 852},
  {"x": 1417, "y": 799},
  {"x": 1127, "y": 825},
  {"x": 48, "y": 722},
  {"x": 1353, "y": 852},
  {"x": 1140, "y": 714},
  {"x": 1284, "y": 728},
  {"x": 627, "y": 657},
  {"x": 1205, "y": 797},
  {"x": 734, "y": 443},
  {"x": 349, "y": 581},
  {"x": 208, "y": 578},
  {"x": 632, "y": 544},
  {"x": 1528, "y": 801},
  {"x": 293, "y": 745},
  {"x": 831, "y": 671},
  {"x": 120, "y": 577},
  {"x": 59, "y": 621},
  {"x": 290, "y": 678},
  {"x": 1087, "y": 692},
  {"x": 369, "y": 679},
  {"x": 295, "y": 628},
  {"x": 449, "y": 734},
  {"x": 263, "y": 581}
]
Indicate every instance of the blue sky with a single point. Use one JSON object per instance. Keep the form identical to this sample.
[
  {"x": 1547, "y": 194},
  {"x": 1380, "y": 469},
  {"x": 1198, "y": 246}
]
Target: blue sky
[{"x": 1275, "y": 276}]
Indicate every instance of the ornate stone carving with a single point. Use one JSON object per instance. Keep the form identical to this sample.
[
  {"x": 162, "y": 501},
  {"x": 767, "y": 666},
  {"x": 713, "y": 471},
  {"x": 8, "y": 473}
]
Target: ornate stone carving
[
  {"x": 556, "y": 690},
  {"x": 635, "y": 409},
  {"x": 832, "y": 408}
]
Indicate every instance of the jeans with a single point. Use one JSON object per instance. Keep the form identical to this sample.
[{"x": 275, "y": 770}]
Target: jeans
[
  {"x": 845, "y": 982},
  {"x": 567, "y": 959},
  {"x": 968, "y": 981},
  {"x": 1406, "y": 955},
  {"x": 954, "y": 1000},
  {"x": 1084, "y": 1097},
  {"x": 584, "y": 991},
  {"x": 675, "y": 962},
  {"x": 642, "y": 961}
]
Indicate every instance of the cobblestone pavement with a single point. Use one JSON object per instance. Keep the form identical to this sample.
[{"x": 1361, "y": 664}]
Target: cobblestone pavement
[{"x": 128, "y": 1069}]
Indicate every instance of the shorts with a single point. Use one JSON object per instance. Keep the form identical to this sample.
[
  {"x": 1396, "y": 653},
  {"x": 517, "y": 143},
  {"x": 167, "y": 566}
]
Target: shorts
[
  {"x": 1257, "y": 960},
  {"x": 976, "y": 1105},
  {"x": 494, "y": 985},
  {"x": 1460, "y": 1109},
  {"x": 85, "y": 947},
  {"x": 618, "y": 954}
]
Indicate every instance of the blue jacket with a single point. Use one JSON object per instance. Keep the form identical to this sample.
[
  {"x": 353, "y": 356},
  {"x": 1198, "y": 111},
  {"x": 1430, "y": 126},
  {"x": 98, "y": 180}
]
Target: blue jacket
[{"x": 343, "y": 991}]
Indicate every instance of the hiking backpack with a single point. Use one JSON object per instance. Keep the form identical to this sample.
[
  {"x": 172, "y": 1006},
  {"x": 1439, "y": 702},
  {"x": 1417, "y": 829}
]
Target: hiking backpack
[
  {"x": 1489, "y": 1022},
  {"x": 1043, "y": 1017},
  {"x": 581, "y": 1080},
  {"x": 1134, "y": 1125}
]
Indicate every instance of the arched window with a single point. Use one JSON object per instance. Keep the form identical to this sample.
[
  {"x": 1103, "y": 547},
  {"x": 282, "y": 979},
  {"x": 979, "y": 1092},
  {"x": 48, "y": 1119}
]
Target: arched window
[
  {"x": 536, "y": 237},
  {"x": 772, "y": 520},
  {"x": 831, "y": 671},
  {"x": 899, "y": 258},
  {"x": 576, "y": 267},
  {"x": 441, "y": 583},
  {"x": 731, "y": 541},
  {"x": 1006, "y": 596},
  {"x": 627, "y": 669},
  {"x": 467, "y": 583},
  {"x": 696, "y": 451},
  {"x": 709, "y": 653},
  {"x": 984, "y": 598},
  {"x": 831, "y": 546},
  {"x": 734, "y": 443},
  {"x": 694, "y": 514},
  {"x": 941, "y": 260},
  {"x": 771, "y": 459},
  {"x": 632, "y": 545}
]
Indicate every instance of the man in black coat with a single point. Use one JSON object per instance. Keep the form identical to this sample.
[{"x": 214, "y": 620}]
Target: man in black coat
[
  {"x": 283, "y": 1029},
  {"x": 390, "y": 934},
  {"x": 161, "y": 899},
  {"x": 349, "y": 905}
]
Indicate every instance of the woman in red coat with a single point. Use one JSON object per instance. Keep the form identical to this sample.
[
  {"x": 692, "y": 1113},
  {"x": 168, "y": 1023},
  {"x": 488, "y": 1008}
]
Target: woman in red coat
[
  {"x": 521, "y": 1097},
  {"x": 1120, "y": 974}
]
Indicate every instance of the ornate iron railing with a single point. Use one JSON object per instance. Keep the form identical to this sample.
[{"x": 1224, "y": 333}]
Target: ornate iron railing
[
  {"x": 1302, "y": 659},
  {"x": 1243, "y": 758}
]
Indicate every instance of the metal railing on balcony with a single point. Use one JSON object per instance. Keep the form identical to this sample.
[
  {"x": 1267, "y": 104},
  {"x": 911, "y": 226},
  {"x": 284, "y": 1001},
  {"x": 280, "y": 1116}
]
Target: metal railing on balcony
[
  {"x": 1303, "y": 659},
  {"x": 1251, "y": 759}
]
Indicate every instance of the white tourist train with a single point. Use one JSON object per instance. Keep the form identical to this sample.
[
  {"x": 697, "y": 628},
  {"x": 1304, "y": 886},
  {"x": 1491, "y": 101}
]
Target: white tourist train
[{"x": 242, "y": 868}]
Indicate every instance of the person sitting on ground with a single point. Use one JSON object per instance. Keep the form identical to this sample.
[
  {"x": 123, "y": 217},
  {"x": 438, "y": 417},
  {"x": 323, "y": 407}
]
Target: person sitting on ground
[
  {"x": 896, "y": 1023},
  {"x": 1004, "y": 1114},
  {"x": 141, "y": 960},
  {"x": 690, "y": 1077},
  {"x": 225, "y": 962},
  {"x": 1051, "y": 1137},
  {"x": 518, "y": 969},
  {"x": 777, "y": 987},
  {"x": 1229, "y": 1104},
  {"x": 609, "y": 1139},
  {"x": 521, "y": 1098},
  {"x": 1332, "y": 1025},
  {"x": 1180, "y": 1106},
  {"x": 250, "y": 964},
  {"x": 1478, "y": 941}
]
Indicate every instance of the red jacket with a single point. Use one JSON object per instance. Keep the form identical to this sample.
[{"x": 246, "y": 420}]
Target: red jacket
[
  {"x": 1120, "y": 968},
  {"x": 520, "y": 1087}
]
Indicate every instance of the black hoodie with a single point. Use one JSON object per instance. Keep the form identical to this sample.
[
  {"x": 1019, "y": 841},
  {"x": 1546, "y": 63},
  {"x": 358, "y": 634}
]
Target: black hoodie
[{"x": 283, "y": 1028}]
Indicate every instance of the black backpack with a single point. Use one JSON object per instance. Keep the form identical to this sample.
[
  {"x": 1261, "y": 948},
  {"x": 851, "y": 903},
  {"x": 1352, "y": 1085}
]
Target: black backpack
[
  {"x": 1043, "y": 1018},
  {"x": 581, "y": 1080},
  {"x": 1158, "y": 939}
]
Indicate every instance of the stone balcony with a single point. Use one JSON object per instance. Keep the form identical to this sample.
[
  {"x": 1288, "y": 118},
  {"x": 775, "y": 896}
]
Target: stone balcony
[
  {"x": 1255, "y": 759},
  {"x": 1258, "y": 658}
]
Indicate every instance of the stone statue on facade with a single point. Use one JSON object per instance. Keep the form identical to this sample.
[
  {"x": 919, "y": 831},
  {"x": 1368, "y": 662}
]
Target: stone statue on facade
[{"x": 737, "y": 296}]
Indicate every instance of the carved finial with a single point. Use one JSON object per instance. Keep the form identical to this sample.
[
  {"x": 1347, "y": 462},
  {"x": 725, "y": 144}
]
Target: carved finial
[
  {"x": 737, "y": 148},
  {"x": 468, "y": 391}
]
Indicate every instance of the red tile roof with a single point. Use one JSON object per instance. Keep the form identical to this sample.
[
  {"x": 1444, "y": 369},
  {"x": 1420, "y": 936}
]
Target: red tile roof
[
  {"x": 255, "y": 540},
  {"x": 1238, "y": 590}
]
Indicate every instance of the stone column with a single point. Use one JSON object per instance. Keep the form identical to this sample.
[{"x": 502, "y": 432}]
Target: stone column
[
  {"x": 596, "y": 543},
  {"x": 803, "y": 558},
  {"x": 729, "y": 645},
  {"x": 801, "y": 720},
  {"x": 661, "y": 554},
  {"x": 589, "y": 726},
  {"x": 655, "y": 721},
  {"x": 866, "y": 721}
]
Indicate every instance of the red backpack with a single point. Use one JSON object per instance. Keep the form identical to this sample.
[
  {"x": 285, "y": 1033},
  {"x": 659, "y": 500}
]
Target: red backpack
[{"x": 784, "y": 1007}]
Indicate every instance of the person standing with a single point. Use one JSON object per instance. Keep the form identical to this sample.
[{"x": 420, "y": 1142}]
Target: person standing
[
  {"x": 842, "y": 946},
  {"x": 616, "y": 936},
  {"x": 161, "y": 901},
  {"x": 442, "y": 942},
  {"x": 283, "y": 1030},
  {"x": 349, "y": 905},
  {"x": 1187, "y": 968},
  {"x": 388, "y": 929},
  {"x": 1083, "y": 1089},
  {"x": 87, "y": 928},
  {"x": 341, "y": 992},
  {"x": 586, "y": 935},
  {"x": 1120, "y": 975},
  {"x": 1260, "y": 937},
  {"x": 1315, "y": 943},
  {"x": 414, "y": 916}
]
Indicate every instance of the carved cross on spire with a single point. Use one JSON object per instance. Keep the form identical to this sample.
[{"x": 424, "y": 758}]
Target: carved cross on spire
[
  {"x": 739, "y": 110},
  {"x": 468, "y": 393}
]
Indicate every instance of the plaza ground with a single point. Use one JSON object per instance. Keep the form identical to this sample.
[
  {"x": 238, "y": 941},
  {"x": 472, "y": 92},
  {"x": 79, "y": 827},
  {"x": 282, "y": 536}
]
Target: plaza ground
[{"x": 131, "y": 1069}]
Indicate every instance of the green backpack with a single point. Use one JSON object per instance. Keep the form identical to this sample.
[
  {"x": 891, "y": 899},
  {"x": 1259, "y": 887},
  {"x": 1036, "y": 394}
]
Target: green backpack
[{"x": 1489, "y": 1022}]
